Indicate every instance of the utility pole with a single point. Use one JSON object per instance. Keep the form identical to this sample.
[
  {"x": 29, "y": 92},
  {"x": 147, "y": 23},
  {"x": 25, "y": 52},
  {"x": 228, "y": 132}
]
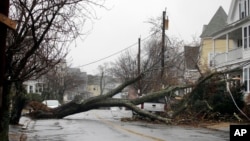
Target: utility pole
[
  {"x": 139, "y": 65},
  {"x": 139, "y": 70},
  {"x": 163, "y": 43},
  {"x": 4, "y": 98},
  {"x": 4, "y": 10},
  {"x": 164, "y": 27}
]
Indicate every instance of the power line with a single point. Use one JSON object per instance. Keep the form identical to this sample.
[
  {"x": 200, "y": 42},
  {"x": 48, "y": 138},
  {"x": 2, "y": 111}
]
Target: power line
[{"x": 114, "y": 53}]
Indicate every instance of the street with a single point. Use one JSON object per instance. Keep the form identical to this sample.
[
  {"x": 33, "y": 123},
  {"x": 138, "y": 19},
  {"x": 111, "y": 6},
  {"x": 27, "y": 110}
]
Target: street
[{"x": 105, "y": 125}]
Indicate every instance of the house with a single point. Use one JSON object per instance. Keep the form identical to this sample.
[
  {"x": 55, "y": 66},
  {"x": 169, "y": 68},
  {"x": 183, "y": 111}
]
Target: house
[
  {"x": 76, "y": 84},
  {"x": 191, "y": 54},
  {"x": 34, "y": 86},
  {"x": 108, "y": 83},
  {"x": 236, "y": 37},
  {"x": 94, "y": 89},
  {"x": 39, "y": 85},
  {"x": 207, "y": 50}
]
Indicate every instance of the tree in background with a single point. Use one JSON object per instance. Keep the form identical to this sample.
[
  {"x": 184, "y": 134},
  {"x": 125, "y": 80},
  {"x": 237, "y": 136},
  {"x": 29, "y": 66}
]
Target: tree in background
[
  {"x": 126, "y": 67},
  {"x": 44, "y": 31}
]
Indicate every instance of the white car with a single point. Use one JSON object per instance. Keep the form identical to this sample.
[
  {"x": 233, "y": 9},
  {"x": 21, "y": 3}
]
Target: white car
[
  {"x": 154, "y": 106},
  {"x": 52, "y": 103}
]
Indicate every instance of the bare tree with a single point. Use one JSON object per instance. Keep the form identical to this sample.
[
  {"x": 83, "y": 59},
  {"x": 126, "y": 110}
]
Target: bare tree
[
  {"x": 44, "y": 31},
  {"x": 75, "y": 83},
  {"x": 125, "y": 67},
  {"x": 103, "y": 70}
]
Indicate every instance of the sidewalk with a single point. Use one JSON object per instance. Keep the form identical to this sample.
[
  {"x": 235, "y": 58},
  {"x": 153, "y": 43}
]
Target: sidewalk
[
  {"x": 16, "y": 132},
  {"x": 222, "y": 126}
]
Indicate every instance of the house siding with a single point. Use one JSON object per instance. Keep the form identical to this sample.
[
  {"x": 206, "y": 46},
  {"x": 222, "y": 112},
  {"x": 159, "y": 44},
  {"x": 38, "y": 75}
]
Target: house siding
[
  {"x": 207, "y": 48},
  {"x": 94, "y": 89}
]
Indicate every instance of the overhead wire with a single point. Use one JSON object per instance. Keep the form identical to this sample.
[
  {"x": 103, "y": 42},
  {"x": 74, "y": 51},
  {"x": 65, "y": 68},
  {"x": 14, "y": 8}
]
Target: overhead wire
[{"x": 118, "y": 52}]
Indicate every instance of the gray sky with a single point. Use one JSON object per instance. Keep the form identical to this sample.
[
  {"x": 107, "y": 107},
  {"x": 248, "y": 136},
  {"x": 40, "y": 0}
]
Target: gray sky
[{"x": 121, "y": 26}]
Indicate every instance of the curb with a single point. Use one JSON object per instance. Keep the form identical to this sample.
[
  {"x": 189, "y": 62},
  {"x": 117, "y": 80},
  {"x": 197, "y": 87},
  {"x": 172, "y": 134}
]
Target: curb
[
  {"x": 223, "y": 126},
  {"x": 16, "y": 133},
  {"x": 26, "y": 124}
]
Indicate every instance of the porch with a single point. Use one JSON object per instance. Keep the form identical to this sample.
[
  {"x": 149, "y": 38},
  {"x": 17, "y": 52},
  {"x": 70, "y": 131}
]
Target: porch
[{"x": 228, "y": 58}]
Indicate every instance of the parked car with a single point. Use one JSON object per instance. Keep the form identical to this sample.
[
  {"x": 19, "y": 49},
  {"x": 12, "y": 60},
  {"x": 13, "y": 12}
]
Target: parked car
[
  {"x": 51, "y": 103},
  {"x": 155, "y": 106}
]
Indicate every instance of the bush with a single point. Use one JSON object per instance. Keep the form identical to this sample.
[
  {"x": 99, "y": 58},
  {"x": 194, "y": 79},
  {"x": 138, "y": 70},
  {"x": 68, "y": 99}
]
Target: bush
[
  {"x": 214, "y": 92},
  {"x": 34, "y": 97}
]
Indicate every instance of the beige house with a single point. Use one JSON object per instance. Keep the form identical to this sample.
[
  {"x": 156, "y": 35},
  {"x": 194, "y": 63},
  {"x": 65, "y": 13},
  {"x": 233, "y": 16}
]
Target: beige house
[
  {"x": 207, "y": 49},
  {"x": 236, "y": 34},
  {"x": 94, "y": 84},
  {"x": 94, "y": 89}
]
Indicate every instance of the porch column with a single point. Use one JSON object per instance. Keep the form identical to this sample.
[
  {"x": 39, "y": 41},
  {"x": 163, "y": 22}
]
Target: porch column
[
  {"x": 227, "y": 47},
  {"x": 213, "y": 53}
]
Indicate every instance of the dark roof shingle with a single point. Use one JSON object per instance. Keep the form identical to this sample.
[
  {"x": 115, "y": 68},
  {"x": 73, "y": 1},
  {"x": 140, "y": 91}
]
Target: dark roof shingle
[{"x": 218, "y": 21}]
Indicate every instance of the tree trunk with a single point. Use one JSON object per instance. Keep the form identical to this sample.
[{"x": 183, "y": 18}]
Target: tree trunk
[
  {"x": 4, "y": 113},
  {"x": 79, "y": 105},
  {"x": 18, "y": 104}
]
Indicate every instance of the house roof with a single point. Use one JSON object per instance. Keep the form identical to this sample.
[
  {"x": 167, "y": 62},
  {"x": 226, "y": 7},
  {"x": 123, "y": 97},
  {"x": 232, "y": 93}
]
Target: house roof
[
  {"x": 191, "y": 56},
  {"x": 218, "y": 21}
]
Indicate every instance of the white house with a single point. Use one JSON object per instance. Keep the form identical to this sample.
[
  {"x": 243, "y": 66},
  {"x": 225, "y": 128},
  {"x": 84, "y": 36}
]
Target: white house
[
  {"x": 39, "y": 85},
  {"x": 237, "y": 37},
  {"x": 34, "y": 86}
]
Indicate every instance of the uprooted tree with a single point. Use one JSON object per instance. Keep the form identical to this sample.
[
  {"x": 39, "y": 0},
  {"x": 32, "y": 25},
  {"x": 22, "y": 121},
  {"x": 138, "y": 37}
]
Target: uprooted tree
[
  {"x": 79, "y": 105},
  {"x": 196, "y": 102}
]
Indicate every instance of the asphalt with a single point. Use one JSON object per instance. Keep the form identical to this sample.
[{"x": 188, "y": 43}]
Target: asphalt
[{"x": 17, "y": 132}]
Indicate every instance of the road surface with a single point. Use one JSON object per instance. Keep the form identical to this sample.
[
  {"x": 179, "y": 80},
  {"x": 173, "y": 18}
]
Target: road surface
[{"x": 104, "y": 125}]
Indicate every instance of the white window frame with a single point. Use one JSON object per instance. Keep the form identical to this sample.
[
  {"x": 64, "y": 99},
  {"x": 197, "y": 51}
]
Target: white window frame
[
  {"x": 246, "y": 36},
  {"x": 244, "y": 8},
  {"x": 246, "y": 78},
  {"x": 210, "y": 59}
]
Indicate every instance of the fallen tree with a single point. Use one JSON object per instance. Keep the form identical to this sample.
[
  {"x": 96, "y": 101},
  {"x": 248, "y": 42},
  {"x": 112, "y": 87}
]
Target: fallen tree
[{"x": 79, "y": 105}]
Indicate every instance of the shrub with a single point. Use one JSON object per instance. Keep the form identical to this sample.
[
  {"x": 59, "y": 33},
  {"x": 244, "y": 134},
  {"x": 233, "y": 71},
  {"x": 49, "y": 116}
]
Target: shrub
[{"x": 34, "y": 97}]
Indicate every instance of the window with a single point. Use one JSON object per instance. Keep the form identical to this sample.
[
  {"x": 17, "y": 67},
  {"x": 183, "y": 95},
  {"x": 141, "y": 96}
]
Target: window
[
  {"x": 239, "y": 43},
  {"x": 240, "y": 11},
  {"x": 246, "y": 78},
  {"x": 246, "y": 37},
  {"x": 248, "y": 7},
  {"x": 244, "y": 8},
  {"x": 211, "y": 59},
  {"x": 31, "y": 89}
]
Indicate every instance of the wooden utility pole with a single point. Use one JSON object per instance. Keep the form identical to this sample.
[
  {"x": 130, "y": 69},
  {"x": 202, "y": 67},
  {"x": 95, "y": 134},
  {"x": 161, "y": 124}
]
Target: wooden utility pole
[
  {"x": 163, "y": 42},
  {"x": 4, "y": 11},
  {"x": 139, "y": 70},
  {"x": 139, "y": 65},
  {"x": 4, "y": 98}
]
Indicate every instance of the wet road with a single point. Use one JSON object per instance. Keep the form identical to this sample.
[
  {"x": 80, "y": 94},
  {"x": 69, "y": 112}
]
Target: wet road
[{"x": 104, "y": 125}]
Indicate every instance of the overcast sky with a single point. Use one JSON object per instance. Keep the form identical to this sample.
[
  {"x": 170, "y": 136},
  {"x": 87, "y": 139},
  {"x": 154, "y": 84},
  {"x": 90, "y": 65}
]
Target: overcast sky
[{"x": 125, "y": 22}]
